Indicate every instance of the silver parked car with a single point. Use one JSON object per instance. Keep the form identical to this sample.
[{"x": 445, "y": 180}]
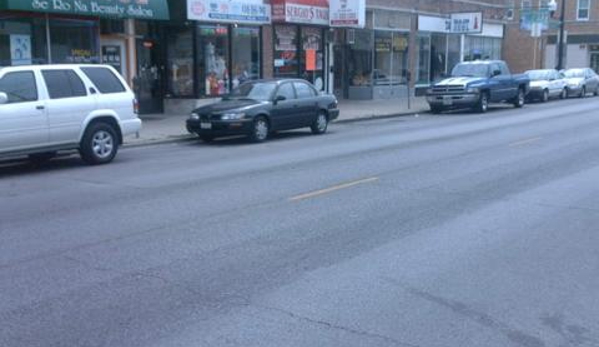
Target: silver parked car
[
  {"x": 581, "y": 82},
  {"x": 546, "y": 84}
]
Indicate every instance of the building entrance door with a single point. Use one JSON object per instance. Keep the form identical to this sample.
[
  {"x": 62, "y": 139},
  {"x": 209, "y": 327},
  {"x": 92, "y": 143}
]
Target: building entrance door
[
  {"x": 595, "y": 61},
  {"x": 148, "y": 83}
]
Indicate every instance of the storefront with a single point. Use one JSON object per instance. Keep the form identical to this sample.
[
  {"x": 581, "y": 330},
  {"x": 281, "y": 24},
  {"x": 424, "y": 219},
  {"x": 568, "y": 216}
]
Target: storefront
[
  {"x": 440, "y": 48},
  {"x": 299, "y": 48},
  {"x": 373, "y": 62},
  {"x": 66, "y": 31},
  {"x": 215, "y": 50}
]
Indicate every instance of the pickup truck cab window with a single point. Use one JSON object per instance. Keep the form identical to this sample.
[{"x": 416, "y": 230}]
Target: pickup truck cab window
[
  {"x": 19, "y": 86},
  {"x": 504, "y": 69}
]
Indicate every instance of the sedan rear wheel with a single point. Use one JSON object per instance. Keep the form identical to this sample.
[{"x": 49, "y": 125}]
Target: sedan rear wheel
[
  {"x": 260, "y": 129},
  {"x": 564, "y": 94},
  {"x": 320, "y": 124}
]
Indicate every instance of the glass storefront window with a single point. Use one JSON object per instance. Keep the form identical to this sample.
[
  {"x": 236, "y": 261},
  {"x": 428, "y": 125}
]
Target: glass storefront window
[
  {"x": 286, "y": 60},
  {"x": 245, "y": 55},
  {"x": 391, "y": 58},
  {"x": 180, "y": 62},
  {"x": 438, "y": 56},
  {"x": 424, "y": 59},
  {"x": 312, "y": 70},
  {"x": 359, "y": 60},
  {"x": 22, "y": 41},
  {"x": 478, "y": 47},
  {"x": 74, "y": 41},
  {"x": 453, "y": 55},
  {"x": 213, "y": 59}
]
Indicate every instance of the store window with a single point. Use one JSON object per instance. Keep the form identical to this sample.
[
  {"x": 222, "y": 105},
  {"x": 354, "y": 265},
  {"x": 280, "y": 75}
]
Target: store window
[
  {"x": 312, "y": 56},
  {"x": 180, "y": 81},
  {"x": 213, "y": 59},
  {"x": 286, "y": 62},
  {"x": 245, "y": 55},
  {"x": 391, "y": 58},
  {"x": 453, "y": 52},
  {"x": 74, "y": 41},
  {"x": 359, "y": 62},
  {"x": 424, "y": 59},
  {"x": 482, "y": 48},
  {"x": 22, "y": 41}
]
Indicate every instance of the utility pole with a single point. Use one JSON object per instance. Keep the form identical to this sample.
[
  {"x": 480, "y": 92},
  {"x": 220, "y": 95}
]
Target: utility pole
[{"x": 562, "y": 24}]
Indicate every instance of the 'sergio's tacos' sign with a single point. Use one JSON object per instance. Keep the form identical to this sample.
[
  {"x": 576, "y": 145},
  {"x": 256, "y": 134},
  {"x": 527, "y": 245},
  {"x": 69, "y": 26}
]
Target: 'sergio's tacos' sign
[{"x": 143, "y": 9}]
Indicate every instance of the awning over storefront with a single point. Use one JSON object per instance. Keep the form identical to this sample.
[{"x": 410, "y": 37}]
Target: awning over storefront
[
  {"x": 140, "y": 9},
  {"x": 301, "y": 11}
]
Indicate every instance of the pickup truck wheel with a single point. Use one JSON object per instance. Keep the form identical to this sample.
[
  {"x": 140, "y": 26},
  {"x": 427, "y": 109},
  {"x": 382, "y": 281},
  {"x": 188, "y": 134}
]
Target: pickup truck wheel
[
  {"x": 436, "y": 109},
  {"x": 483, "y": 102},
  {"x": 519, "y": 102},
  {"x": 320, "y": 124},
  {"x": 545, "y": 96},
  {"x": 41, "y": 158},
  {"x": 99, "y": 144}
]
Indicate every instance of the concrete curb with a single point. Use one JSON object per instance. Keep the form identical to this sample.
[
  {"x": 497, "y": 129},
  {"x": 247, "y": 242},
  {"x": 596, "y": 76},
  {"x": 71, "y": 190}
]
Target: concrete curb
[{"x": 190, "y": 137}]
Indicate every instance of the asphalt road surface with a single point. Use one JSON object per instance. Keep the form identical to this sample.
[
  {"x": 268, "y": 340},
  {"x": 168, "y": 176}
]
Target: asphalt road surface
[{"x": 451, "y": 230}]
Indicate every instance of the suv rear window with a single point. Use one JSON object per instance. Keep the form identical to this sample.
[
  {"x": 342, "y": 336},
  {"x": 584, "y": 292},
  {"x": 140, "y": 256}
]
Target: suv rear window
[{"x": 104, "y": 80}]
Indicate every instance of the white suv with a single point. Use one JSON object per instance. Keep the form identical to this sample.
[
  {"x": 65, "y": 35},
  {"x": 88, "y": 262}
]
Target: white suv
[{"x": 48, "y": 108}]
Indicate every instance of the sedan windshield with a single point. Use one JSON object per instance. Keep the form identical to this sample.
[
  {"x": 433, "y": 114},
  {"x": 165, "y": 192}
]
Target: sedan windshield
[
  {"x": 260, "y": 91},
  {"x": 471, "y": 70},
  {"x": 574, "y": 73},
  {"x": 538, "y": 75}
]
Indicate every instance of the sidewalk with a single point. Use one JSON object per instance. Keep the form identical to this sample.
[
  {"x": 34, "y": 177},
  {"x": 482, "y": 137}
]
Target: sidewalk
[{"x": 159, "y": 128}]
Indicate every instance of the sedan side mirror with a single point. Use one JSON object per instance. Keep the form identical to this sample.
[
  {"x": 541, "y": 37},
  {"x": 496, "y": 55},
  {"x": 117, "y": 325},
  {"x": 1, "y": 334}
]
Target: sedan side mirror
[
  {"x": 3, "y": 98},
  {"x": 279, "y": 98}
]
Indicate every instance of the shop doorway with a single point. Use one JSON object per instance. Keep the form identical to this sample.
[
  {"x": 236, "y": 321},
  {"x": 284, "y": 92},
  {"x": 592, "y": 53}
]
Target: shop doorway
[
  {"x": 148, "y": 83},
  {"x": 595, "y": 61},
  {"x": 339, "y": 83},
  {"x": 113, "y": 53}
]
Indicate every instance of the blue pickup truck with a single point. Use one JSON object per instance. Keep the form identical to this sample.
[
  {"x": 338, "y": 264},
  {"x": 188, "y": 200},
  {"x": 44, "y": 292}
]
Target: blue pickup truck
[{"x": 475, "y": 85}]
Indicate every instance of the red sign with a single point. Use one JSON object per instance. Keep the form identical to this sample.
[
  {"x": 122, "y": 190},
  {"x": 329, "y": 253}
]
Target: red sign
[{"x": 310, "y": 60}]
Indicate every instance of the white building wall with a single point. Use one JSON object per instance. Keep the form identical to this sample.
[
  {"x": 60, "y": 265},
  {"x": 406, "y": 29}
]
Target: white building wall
[{"x": 550, "y": 57}]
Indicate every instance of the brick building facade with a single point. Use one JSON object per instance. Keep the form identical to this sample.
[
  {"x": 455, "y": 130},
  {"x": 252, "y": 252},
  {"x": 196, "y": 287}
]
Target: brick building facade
[{"x": 523, "y": 52}]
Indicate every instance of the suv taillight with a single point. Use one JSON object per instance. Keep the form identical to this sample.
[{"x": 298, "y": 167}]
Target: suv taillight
[{"x": 135, "y": 106}]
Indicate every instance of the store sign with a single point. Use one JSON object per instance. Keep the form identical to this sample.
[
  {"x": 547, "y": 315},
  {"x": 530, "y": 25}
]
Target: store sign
[
  {"x": 301, "y": 11},
  {"x": 142, "y": 9},
  {"x": 348, "y": 13},
  {"x": 250, "y": 12},
  {"x": 459, "y": 23},
  {"x": 467, "y": 23}
]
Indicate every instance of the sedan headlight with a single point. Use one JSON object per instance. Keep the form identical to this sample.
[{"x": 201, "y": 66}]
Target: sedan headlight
[
  {"x": 194, "y": 116},
  {"x": 232, "y": 116}
]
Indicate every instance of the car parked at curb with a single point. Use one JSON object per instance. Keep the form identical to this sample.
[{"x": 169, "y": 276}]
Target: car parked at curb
[
  {"x": 581, "y": 82},
  {"x": 49, "y": 108},
  {"x": 475, "y": 85},
  {"x": 258, "y": 108},
  {"x": 546, "y": 84}
]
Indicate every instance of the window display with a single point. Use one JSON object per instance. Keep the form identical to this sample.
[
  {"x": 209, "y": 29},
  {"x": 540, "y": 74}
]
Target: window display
[
  {"x": 285, "y": 54},
  {"x": 360, "y": 58},
  {"x": 391, "y": 58},
  {"x": 213, "y": 59},
  {"x": 245, "y": 55},
  {"x": 312, "y": 47},
  {"x": 180, "y": 62}
]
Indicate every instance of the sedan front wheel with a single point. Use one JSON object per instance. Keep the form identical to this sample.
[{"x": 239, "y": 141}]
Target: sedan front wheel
[
  {"x": 320, "y": 124},
  {"x": 260, "y": 129}
]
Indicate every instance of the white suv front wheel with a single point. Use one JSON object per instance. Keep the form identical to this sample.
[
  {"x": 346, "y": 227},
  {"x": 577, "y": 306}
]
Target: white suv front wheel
[{"x": 99, "y": 144}]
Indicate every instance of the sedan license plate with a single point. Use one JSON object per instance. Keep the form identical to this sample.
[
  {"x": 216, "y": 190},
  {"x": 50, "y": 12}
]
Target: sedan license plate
[
  {"x": 447, "y": 101},
  {"x": 205, "y": 125}
]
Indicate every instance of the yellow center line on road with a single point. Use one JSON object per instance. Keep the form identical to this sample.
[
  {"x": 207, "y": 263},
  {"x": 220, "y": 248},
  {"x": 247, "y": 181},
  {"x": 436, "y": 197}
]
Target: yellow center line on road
[
  {"x": 333, "y": 189},
  {"x": 525, "y": 142}
]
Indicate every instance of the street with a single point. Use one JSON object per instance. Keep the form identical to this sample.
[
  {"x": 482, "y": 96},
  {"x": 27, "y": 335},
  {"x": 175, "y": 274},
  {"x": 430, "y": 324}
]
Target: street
[{"x": 458, "y": 229}]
